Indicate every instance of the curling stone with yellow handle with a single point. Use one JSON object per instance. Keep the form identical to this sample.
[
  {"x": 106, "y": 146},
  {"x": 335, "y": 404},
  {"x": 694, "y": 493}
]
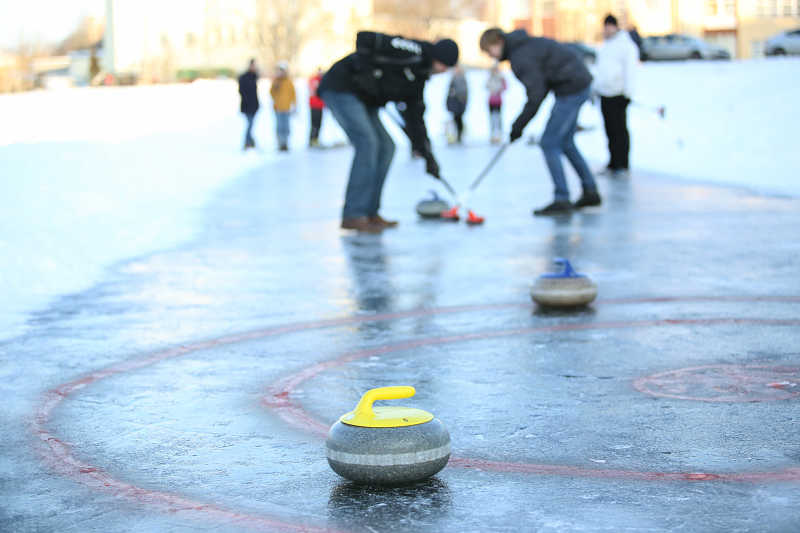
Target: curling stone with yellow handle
[
  {"x": 387, "y": 445},
  {"x": 563, "y": 289}
]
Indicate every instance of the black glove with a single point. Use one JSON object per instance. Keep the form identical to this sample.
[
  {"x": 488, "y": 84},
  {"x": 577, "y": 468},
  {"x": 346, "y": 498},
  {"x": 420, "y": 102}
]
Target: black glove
[
  {"x": 515, "y": 134},
  {"x": 431, "y": 166}
]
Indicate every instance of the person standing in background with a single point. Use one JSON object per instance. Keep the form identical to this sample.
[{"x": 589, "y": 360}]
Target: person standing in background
[
  {"x": 617, "y": 60},
  {"x": 457, "y": 100},
  {"x": 283, "y": 101},
  {"x": 496, "y": 85},
  {"x": 248, "y": 91},
  {"x": 316, "y": 105}
]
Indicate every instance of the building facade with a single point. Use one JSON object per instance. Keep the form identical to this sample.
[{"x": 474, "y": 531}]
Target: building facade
[
  {"x": 162, "y": 41},
  {"x": 741, "y": 26}
]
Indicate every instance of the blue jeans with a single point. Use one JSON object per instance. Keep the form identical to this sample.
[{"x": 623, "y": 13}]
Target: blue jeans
[
  {"x": 559, "y": 138},
  {"x": 374, "y": 152},
  {"x": 282, "y": 127},
  {"x": 248, "y": 132}
]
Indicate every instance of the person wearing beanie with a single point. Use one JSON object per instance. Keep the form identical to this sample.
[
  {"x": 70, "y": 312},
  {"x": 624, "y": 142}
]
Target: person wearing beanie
[
  {"x": 543, "y": 65},
  {"x": 617, "y": 61},
  {"x": 384, "y": 68}
]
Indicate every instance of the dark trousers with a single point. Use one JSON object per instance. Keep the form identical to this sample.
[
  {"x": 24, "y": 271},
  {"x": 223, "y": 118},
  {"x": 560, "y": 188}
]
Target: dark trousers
[
  {"x": 615, "y": 117},
  {"x": 316, "y": 123},
  {"x": 458, "y": 118}
]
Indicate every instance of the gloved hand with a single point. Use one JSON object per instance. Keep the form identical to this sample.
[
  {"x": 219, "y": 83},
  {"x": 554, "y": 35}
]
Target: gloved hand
[
  {"x": 515, "y": 134},
  {"x": 431, "y": 166}
]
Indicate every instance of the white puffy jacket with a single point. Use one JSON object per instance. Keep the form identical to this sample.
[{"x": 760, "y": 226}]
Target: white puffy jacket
[{"x": 615, "y": 70}]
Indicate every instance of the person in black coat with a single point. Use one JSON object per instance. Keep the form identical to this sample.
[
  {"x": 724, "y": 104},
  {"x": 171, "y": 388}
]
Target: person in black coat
[
  {"x": 543, "y": 65},
  {"x": 248, "y": 90},
  {"x": 384, "y": 68}
]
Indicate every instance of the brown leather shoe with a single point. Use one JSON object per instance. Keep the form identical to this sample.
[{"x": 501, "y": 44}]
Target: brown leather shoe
[
  {"x": 382, "y": 222},
  {"x": 361, "y": 224}
]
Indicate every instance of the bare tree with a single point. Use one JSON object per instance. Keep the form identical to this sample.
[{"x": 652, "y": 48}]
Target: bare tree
[
  {"x": 21, "y": 76},
  {"x": 87, "y": 33},
  {"x": 283, "y": 27},
  {"x": 425, "y": 19}
]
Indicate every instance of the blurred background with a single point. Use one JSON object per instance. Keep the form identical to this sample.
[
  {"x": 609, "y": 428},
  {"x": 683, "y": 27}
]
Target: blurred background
[
  {"x": 119, "y": 119},
  {"x": 93, "y": 42}
]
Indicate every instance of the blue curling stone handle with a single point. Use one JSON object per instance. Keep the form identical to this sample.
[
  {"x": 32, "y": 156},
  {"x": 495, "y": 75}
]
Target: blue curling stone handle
[{"x": 566, "y": 272}]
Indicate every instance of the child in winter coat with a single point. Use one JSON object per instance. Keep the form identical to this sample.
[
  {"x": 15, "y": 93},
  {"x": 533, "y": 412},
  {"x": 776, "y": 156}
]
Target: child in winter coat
[
  {"x": 496, "y": 85},
  {"x": 316, "y": 105}
]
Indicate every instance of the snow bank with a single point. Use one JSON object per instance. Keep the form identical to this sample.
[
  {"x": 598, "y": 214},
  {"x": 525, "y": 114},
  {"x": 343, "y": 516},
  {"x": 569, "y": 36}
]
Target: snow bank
[{"x": 731, "y": 122}]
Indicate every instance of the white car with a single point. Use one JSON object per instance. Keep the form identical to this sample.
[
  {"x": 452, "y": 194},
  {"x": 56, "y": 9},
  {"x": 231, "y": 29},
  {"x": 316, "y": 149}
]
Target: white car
[
  {"x": 676, "y": 46},
  {"x": 784, "y": 43}
]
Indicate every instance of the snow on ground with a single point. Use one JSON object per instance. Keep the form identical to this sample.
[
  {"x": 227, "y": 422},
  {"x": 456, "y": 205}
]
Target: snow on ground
[
  {"x": 92, "y": 176},
  {"x": 728, "y": 122}
]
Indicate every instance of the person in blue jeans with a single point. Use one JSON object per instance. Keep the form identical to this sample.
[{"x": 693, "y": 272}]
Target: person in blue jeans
[
  {"x": 543, "y": 65},
  {"x": 384, "y": 68}
]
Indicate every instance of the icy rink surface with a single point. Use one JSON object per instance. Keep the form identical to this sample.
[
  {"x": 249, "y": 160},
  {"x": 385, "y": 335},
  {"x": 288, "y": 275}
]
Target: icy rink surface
[{"x": 92, "y": 176}]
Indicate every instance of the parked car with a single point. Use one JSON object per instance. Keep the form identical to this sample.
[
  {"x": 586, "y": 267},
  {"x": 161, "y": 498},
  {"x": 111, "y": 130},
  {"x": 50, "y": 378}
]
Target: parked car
[
  {"x": 676, "y": 46},
  {"x": 787, "y": 42},
  {"x": 584, "y": 51}
]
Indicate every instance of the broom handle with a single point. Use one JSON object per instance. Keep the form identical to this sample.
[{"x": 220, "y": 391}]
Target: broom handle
[{"x": 488, "y": 167}]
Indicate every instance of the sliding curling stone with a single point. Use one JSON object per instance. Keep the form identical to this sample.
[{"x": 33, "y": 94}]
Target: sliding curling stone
[
  {"x": 387, "y": 445},
  {"x": 563, "y": 289},
  {"x": 432, "y": 207}
]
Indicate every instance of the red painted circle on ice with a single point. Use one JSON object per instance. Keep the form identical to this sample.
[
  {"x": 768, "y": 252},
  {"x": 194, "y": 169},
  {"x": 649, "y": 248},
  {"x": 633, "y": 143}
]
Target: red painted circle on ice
[
  {"x": 63, "y": 459},
  {"x": 724, "y": 383}
]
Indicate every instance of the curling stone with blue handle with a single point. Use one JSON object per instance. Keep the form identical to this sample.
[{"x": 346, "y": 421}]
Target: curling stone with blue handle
[
  {"x": 387, "y": 445},
  {"x": 432, "y": 207},
  {"x": 563, "y": 289}
]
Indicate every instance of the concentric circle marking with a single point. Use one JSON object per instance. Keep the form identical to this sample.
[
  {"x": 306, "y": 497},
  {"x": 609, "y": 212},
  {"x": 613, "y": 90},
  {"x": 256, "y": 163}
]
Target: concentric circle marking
[
  {"x": 62, "y": 458},
  {"x": 724, "y": 383},
  {"x": 279, "y": 399}
]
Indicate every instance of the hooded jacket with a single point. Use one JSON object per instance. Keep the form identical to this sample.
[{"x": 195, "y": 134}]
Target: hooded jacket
[{"x": 543, "y": 65}]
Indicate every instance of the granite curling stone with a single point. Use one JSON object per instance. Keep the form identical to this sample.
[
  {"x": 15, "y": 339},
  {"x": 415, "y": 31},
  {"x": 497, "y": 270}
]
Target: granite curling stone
[
  {"x": 563, "y": 289},
  {"x": 387, "y": 445},
  {"x": 432, "y": 207}
]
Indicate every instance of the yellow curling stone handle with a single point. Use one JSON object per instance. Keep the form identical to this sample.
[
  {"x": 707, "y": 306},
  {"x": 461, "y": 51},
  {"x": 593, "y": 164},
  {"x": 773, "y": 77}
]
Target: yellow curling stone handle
[{"x": 365, "y": 415}]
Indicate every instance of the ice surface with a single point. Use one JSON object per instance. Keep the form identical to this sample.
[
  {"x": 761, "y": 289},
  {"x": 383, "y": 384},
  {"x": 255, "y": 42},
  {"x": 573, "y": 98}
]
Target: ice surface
[{"x": 91, "y": 176}]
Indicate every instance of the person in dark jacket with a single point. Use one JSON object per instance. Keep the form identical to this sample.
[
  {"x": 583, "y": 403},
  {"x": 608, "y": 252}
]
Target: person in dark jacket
[
  {"x": 384, "y": 68},
  {"x": 543, "y": 65},
  {"x": 248, "y": 90},
  {"x": 456, "y": 102}
]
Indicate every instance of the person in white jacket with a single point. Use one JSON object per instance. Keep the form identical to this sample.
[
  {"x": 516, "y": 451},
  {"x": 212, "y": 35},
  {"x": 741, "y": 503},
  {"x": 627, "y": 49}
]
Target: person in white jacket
[{"x": 617, "y": 61}]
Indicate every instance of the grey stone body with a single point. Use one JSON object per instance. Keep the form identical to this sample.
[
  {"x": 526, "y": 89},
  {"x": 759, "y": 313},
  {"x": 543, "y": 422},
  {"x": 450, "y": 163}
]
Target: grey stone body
[
  {"x": 432, "y": 208},
  {"x": 563, "y": 292},
  {"x": 388, "y": 456}
]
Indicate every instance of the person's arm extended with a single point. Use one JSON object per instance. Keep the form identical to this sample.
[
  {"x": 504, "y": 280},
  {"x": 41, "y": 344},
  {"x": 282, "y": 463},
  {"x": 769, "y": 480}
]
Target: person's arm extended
[
  {"x": 536, "y": 89},
  {"x": 418, "y": 135}
]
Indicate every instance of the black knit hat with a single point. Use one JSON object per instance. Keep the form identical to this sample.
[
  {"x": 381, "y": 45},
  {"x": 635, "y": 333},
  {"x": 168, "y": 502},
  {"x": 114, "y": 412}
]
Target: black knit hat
[{"x": 446, "y": 51}]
